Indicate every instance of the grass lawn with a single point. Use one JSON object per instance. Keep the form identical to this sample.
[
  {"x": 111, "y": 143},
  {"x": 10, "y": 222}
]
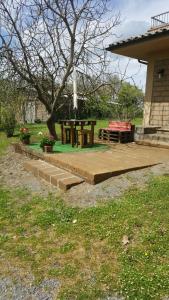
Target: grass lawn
[
  {"x": 5, "y": 142},
  {"x": 83, "y": 247},
  {"x": 36, "y": 128}
]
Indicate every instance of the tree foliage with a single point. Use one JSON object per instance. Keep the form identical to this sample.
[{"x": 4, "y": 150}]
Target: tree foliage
[
  {"x": 12, "y": 100},
  {"x": 117, "y": 100},
  {"x": 129, "y": 101}
]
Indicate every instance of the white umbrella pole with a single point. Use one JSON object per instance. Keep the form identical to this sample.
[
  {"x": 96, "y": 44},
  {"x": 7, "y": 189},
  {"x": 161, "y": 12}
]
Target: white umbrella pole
[{"x": 75, "y": 104}]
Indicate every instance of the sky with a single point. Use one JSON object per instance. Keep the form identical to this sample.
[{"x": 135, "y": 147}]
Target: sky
[{"x": 135, "y": 20}]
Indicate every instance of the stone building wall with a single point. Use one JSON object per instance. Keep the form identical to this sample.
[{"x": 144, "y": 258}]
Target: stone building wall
[
  {"x": 41, "y": 112},
  {"x": 159, "y": 114},
  {"x": 31, "y": 111}
]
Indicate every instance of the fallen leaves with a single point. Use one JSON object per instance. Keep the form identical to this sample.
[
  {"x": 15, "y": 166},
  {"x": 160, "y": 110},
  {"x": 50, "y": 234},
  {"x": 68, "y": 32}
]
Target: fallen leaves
[{"x": 125, "y": 240}]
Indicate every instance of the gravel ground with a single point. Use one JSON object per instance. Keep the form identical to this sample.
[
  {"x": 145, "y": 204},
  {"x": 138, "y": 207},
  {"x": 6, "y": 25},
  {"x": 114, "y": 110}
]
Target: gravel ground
[
  {"x": 46, "y": 290},
  {"x": 12, "y": 290},
  {"x": 13, "y": 175}
]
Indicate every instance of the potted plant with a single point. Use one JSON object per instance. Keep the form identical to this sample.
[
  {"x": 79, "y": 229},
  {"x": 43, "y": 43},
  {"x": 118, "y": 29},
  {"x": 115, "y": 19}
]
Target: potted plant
[
  {"x": 47, "y": 143},
  {"x": 25, "y": 136}
]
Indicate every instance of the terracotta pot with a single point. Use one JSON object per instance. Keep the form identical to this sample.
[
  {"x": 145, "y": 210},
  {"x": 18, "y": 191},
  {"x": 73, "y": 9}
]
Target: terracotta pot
[
  {"x": 26, "y": 141},
  {"x": 48, "y": 148}
]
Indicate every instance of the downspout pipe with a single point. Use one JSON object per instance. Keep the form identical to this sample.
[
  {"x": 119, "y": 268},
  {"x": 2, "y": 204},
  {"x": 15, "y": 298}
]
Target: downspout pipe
[{"x": 143, "y": 62}]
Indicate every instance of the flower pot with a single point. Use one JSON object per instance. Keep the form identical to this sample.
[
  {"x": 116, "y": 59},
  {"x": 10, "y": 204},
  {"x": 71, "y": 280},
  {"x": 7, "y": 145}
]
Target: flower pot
[
  {"x": 26, "y": 141},
  {"x": 48, "y": 148}
]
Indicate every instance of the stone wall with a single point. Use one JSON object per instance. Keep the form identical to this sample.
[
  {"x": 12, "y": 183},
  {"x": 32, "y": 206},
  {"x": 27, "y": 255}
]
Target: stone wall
[
  {"x": 31, "y": 111},
  {"x": 41, "y": 112},
  {"x": 159, "y": 114}
]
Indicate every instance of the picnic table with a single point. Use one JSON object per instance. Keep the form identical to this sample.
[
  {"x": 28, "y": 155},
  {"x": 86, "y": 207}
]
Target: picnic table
[{"x": 70, "y": 127}]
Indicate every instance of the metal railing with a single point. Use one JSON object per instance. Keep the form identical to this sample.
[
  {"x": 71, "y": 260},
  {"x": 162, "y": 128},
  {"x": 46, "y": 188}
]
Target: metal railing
[{"x": 160, "y": 20}]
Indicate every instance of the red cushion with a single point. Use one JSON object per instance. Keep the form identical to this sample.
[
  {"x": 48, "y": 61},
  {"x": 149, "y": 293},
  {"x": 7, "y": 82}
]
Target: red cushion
[
  {"x": 116, "y": 129},
  {"x": 120, "y": 126},
  {"x": 119, "y": 123}
]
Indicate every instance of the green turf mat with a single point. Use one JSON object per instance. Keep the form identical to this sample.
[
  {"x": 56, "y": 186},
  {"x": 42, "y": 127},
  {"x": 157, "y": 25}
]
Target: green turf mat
[{"x": 60, "y": 148}]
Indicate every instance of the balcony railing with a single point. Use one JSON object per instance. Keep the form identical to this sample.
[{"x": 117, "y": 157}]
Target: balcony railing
[{"x": 160, "y": 20}]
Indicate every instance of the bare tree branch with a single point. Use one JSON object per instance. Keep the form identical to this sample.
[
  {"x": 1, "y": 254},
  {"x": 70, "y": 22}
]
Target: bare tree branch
[{"x": 42, "y": 40}]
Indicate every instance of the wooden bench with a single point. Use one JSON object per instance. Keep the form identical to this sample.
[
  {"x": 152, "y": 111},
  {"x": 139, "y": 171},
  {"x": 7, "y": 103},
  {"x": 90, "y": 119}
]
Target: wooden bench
[{"x": 117, "y": 131}]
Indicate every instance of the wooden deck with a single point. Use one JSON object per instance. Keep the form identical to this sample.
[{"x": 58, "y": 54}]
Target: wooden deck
[{"x": 95, "y": 167}]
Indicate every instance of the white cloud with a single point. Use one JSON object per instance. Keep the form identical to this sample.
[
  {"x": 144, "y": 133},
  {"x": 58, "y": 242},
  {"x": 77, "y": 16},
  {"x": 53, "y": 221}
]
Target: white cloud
[{"x": 133, "y": 28}]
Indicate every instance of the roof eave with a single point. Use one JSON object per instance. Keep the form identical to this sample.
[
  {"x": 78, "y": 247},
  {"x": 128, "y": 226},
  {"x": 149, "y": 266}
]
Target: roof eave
[{"x": 119, "y": 47}]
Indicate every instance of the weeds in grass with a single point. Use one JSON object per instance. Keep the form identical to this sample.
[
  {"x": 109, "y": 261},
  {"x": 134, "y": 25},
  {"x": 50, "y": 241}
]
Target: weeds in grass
[{"x": 88, "y": 255}]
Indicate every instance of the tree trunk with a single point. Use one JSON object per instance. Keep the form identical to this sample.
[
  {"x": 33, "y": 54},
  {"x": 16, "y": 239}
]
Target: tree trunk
[{"x": 51, "y": 127}]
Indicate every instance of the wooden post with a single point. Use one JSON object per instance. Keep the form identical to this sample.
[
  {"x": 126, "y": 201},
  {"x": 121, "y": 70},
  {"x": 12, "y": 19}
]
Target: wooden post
[
  {"x": 120, "y": 135},
  {"x": 62, "y": 138},
  {"x": 92, "y": 133},
  {"x": 72, "y": 134}
]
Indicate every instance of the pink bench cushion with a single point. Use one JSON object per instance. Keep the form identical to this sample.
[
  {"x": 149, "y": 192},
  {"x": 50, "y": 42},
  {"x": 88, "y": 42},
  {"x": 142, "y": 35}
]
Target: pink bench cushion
[{"x": 118, "y": 126}]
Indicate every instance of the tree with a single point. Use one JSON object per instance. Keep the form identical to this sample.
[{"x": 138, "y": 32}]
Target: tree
[
  {"x": 12, "y": 96},
  {"x": 42, "y": 40},
  {"x": 129, "y": 102},
  {"x": 99, "y": 104},
  {"x": 8, "y": 95},
  {"x": 118, "y": 99}
]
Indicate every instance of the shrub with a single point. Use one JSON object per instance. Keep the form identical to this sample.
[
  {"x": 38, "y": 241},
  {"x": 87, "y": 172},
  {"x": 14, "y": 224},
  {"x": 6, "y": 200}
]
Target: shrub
[
  {"x": 8, "y": 121},
  {"x": 38, "y": 121}
]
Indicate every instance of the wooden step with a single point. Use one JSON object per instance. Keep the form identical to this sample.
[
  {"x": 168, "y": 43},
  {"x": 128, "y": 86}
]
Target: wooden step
[
  {"x": 156, "y": 137},
  {"x": 153, "y": 143},
  {"x": 164, "y": 131},
  {"x": 54, "y": 175}
]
